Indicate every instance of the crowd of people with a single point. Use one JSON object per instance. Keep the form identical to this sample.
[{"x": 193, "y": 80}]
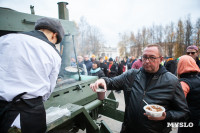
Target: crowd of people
[
  {"x": 28, "y": 78},
  {"x": 114, "y": 67},
  {"x": 104, "y": 66},
  {"x": 173, "y": 84}
]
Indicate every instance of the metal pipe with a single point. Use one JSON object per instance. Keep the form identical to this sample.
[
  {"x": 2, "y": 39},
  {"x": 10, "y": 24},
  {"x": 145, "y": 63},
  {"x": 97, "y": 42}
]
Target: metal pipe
[
  {"x": 63, "y": 12},
  {"x": 94, "y": 104},
  {"x": 32, "y": 9},
  {"x": 66, "y": 56},
  {"x": 76, "y": 58}
]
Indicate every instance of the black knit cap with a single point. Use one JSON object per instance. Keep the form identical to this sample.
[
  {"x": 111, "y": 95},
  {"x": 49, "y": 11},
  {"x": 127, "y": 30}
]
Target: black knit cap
[
  {"x": 51, "y": 24},
  {"x": 97, "y": 62},
  {"x": 110, "y": 59}
]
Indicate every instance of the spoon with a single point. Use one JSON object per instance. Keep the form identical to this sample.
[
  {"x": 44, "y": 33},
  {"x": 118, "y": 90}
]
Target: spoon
[{"x": 149, "y": 106}]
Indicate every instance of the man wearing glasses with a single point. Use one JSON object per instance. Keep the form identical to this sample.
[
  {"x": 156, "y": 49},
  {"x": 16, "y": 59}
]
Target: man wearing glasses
[
  {"x": 193, "y": 51},
  {"x": 154, "y": 84}
]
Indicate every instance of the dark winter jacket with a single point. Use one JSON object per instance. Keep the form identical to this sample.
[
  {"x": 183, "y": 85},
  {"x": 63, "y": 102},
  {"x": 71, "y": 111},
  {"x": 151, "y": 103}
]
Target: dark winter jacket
[
  {"x": 88, "y": 64},
  {"x": 193, "y": 97},
  {"x": 171, "y": 66},
  {"x": 161, "y": 88},
  {"x": 81, "y": 65},
  {"x": 121, "y": 67},
  {"x": 113, "y": 70},
  {"x": 104, "y": 68},
  {"x": 198, "y": 62},
  {"x": 130, "y": 63},
  {"x": 188, "y": 72}
]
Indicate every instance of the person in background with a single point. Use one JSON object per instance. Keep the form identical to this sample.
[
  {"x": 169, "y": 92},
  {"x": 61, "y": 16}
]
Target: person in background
[
  {"x": 137, "y": 64},
  {"x": 193, "y": 51},
  {"x": 73, "y": 62},
  {"x": 190, "y": 81},
  {"x": 154, "y": 84},
  {"x": 112, "y": 69},
  {"x": 93, "y": 58},
  {"x": 171, "y": 66},
  {"x": 96, "y": 70},
  {"x": 82, "y": 65},
  {"x": 28, "y": 76},
  {"x": 88, "y": 63},
  {"x": 116, "y": 61},
  {"x": 106, "y": 60},
  {"x": 122, "y": 66},
  {"x": 103, "y": 66},
  {"x": 130, "y": 63}
]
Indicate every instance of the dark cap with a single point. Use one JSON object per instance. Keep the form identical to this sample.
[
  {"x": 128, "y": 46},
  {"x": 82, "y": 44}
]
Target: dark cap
[
  {"x": 193, "y": 47},
  {"x": 51, "y": 24},
  {"x": 110, "y": 59},
  {"x": 97, "y": 62}
]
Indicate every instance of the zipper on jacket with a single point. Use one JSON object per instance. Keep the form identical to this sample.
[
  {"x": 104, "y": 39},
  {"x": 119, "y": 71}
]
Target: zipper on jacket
[{"x": 144, "y": 94}]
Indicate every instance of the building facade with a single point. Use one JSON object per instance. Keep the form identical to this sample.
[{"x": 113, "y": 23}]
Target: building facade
[{"x": 108, "y": 51}]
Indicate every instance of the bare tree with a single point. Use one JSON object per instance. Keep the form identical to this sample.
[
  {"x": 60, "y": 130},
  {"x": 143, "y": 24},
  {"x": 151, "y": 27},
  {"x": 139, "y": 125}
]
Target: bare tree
[
  {"x": 197, "y": 33},
  {"x": 123, "y": 44},
  {"x": 170, "y": 39},
  {"x": 94, "y": 40},
  {"x": 152, "y": 34},
  {"x": 83, "y": 28},
  {"x": 188, "y": 31},
  {"x": 139, "y": 44},
  {"x": 90, "y": 38},
  {"x": 144, "y": 37},
  {"x": 133, "y": 45},
  {"x": 159, "y": 34},
  {"x": 179, "y": 46}
]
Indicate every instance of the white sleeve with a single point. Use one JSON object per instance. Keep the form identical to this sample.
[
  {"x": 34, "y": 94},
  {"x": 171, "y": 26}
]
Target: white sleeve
[{"x": 53, "y": 78}]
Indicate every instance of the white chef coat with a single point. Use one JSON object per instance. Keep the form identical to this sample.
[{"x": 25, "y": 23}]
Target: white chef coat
[{"x": 27, "y": 64}]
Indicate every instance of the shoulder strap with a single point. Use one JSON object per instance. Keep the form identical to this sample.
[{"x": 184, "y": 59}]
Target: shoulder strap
[{"x": 127, "y": 93}]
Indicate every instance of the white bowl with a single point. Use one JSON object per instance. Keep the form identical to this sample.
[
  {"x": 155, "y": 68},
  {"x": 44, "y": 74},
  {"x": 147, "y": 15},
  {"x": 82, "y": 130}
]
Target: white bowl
[{"x": 152, "y": 113}]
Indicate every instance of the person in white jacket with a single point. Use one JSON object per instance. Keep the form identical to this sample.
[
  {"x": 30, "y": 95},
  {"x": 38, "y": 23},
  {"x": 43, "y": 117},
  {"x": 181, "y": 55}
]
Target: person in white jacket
[{"x": 29, "y": 67}]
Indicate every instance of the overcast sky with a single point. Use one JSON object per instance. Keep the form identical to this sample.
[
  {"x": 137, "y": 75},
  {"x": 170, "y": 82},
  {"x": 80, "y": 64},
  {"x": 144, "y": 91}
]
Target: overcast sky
[{"x": 114, "y": 16}]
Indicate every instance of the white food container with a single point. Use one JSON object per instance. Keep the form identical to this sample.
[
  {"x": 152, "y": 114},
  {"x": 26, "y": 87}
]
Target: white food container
[{"x": 152, "y": 113}]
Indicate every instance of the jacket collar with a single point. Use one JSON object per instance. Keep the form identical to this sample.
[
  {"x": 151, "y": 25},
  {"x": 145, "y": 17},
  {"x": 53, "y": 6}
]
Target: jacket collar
[
  {"x": 40, "y": 35},
  {"x": 161, "y": 70}
]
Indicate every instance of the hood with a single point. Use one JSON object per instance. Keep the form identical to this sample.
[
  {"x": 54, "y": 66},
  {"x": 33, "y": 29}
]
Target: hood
[
  {"x": 187, "y": 64},
  {"x": 95, "y": 70}
]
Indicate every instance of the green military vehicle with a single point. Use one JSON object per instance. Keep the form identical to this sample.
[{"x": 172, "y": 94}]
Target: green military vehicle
[{"x": 72, "y": 105}]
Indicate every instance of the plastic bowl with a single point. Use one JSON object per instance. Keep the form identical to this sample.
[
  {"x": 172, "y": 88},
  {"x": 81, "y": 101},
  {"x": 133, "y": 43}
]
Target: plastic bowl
[{"x": 152, "y": 113}]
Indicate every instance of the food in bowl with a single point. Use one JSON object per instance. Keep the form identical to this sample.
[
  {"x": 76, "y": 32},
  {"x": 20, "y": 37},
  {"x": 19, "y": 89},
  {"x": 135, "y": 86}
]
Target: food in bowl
[
  {"x": 154, "y": 108},
  {"x": 157, "y": 112}
]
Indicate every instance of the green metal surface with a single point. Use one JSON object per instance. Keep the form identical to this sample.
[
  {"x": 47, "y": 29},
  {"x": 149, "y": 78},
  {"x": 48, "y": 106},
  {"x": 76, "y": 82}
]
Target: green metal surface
[
  {"x": 93, "y": 105},
  {"x": 111, "y": 95},
  {"x": 75, "y": 111},
  {"x": 104, "y": 128},
  {"x": 109, "y": 109},
  {"x": 71, "y": 93},
  {"x": 18, "y": 22}
]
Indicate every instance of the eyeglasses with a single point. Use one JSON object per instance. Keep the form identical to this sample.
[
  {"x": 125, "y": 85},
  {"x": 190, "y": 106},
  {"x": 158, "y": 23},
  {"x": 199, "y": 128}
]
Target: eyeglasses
[
  {"x": 151, "y": 59},
  {"x": 188, "y": 53}
]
